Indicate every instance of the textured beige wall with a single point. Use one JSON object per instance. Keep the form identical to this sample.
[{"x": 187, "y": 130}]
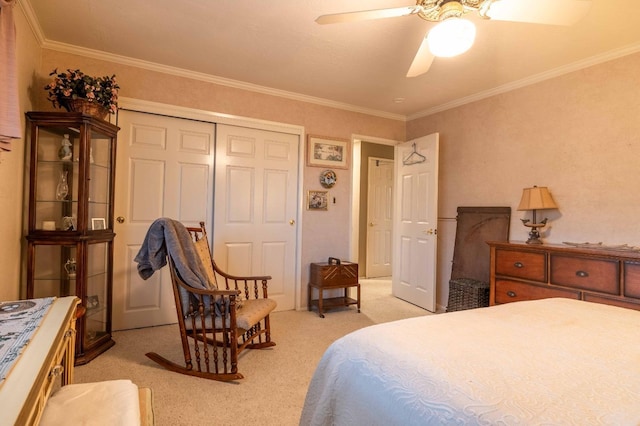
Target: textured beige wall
[
  {"x": 12, "y": 167},
  {"x": 324, "y": 234},
  {"x": 578, "y": 134}
]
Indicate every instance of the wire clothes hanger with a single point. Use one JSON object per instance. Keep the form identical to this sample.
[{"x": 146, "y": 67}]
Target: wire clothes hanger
[{"x": 414, "y": 158}]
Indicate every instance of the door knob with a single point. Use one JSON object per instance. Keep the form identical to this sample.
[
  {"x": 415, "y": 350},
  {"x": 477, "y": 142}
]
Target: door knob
[
  {"x": 431, "y": 232},
  {"x": 120, "y": 219},
  {"x": 372, "y": 224},
  {"x": 292, "y": 222}
]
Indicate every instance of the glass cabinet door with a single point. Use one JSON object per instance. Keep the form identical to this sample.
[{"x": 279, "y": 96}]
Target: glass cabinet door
[
  {"x": 96, "y": 291},
  {"x": 99, "y": 196},
  {"x": 56, "y": 178},
  {"x": 55, "y": 270}
]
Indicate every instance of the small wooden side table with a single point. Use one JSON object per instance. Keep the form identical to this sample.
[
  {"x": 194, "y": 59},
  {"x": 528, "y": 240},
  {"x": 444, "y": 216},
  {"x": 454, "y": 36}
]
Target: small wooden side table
[{"x": 325, "y": 276}]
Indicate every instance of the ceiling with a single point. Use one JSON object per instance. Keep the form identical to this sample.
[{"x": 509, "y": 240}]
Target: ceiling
[{"x": 276, "y": 46}]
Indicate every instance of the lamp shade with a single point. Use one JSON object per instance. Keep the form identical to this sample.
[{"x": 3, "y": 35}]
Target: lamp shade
[
  {"x": 536, "y": 198},
  {"x": 451, "y": 37}
]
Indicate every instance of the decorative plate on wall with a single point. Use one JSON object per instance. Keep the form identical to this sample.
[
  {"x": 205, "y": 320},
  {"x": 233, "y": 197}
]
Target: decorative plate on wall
[{"x": 328, "y": 178}]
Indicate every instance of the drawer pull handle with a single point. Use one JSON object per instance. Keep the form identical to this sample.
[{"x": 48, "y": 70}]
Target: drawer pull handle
[
  {"x": 511, "y": 293},
  {"x": 518, "y": 265},
  {"x": 582, "y": 274}
]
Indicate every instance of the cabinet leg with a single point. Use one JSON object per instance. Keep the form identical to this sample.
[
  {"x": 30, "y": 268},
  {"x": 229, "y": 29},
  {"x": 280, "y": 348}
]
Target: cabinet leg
[
  {"x": 320, "y": 303},
  {"x": 358, "y": 291}
]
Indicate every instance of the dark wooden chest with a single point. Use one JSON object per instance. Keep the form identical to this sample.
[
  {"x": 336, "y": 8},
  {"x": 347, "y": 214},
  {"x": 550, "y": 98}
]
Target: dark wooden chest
[{"x": 330, "y": 275}]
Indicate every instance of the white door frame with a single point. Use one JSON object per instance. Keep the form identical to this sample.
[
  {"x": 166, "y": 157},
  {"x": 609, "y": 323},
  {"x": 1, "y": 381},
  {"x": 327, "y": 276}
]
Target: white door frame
[
  {"x": 356, "y": 145},
  {"x": 234, "y": 120}
]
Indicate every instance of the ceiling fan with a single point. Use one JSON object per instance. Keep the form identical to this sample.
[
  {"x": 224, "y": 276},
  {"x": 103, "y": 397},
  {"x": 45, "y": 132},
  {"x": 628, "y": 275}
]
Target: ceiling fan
[{"x": 452, "y": 35}]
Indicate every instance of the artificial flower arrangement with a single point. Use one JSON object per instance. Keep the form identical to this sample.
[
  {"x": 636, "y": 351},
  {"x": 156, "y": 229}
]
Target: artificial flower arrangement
[{"x": 74, "y": 84}]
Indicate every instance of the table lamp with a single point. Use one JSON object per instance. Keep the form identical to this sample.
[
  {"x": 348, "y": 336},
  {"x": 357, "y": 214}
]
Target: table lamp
[{"x": 536, "y": 198}]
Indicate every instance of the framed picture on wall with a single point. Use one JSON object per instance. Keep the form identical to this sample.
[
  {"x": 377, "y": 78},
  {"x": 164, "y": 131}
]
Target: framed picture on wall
[
  {"x": 317, "y": 200},
  {"x": 327, "y": 152}
]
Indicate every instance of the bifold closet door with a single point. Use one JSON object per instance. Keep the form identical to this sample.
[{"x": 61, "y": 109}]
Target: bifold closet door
[
  {"x": 164, "y": 169},
  {"x": 256, "y": 187}
]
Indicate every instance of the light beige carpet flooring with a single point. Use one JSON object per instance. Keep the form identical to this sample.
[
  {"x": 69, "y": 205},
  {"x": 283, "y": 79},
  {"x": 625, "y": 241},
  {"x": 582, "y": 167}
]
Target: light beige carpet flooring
[{"x": 275, "y": 379}]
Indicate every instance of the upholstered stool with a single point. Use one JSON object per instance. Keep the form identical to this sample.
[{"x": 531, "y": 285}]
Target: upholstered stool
[
  {"x": 102, "y": 403},
  {"x": 467, "y": 293}
]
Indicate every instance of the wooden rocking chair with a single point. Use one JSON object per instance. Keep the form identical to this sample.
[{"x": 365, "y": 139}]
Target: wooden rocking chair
[{"x": 217, "y": 324}]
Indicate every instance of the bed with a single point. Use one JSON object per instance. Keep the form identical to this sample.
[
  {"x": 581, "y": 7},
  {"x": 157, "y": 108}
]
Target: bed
[{"x": 548, "y": 361}]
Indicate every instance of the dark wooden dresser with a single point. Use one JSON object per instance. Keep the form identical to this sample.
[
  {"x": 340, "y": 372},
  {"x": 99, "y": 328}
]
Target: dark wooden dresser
[{"x": 521, "y": 271}]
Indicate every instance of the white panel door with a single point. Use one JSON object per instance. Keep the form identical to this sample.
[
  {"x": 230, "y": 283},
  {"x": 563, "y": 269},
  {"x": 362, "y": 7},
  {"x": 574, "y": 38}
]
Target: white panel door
[
  {"x": 379, "y": 217},
  {"x": 415, "y": 222},
  {"x": 256, "y": 206},
  {"x": 164, "y": 169}
]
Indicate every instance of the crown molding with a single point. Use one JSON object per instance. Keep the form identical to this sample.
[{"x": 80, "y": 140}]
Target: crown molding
[
  {"x": 32, "y": 20},
  {"x": 208, "y": 78},
  {"x": 152, "y": 66},
  {"x": 576, "y": 66},
  {"x": 180, "y": 72}
]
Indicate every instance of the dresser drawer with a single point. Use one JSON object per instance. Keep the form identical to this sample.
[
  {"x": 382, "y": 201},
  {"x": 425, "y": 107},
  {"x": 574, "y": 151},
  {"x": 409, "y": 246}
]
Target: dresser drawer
[
  {"x": 632, "y": 279},
  {"x": 513, "y": 291},
  {"x": 615, "y": 301},
  {"x": 522, "y": 264},
  {"x": 601, "y": 275}
]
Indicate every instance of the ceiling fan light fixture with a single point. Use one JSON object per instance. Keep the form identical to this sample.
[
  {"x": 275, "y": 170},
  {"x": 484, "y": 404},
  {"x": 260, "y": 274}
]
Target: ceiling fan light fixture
[{"x": 451, "y": 37}]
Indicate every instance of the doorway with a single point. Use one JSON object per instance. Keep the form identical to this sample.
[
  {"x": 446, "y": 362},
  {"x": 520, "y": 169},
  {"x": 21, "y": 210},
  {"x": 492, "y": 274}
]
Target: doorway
[
  {"x": 363, "y": 149},
  {"x": 379, "y": 217}
]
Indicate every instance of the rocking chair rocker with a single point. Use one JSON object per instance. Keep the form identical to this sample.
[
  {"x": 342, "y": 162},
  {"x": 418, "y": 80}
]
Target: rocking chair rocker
[{"x": 218, "y": 323}]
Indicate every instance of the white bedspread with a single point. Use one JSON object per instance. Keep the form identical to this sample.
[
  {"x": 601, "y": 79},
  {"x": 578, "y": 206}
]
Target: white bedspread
[{"x": 544, "y": 362}]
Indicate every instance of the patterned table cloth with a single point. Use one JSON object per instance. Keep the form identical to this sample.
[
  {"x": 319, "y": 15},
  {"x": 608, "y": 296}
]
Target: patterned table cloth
[{"x": 19, "y": 320}]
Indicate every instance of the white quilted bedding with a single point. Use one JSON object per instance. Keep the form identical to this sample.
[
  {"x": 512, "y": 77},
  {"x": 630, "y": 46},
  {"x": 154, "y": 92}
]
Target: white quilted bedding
[{"x": 544, "y": 362}]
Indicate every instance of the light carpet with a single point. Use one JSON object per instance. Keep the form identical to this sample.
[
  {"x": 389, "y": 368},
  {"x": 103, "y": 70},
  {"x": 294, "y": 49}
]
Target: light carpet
[{"x": 275, "y": 379}]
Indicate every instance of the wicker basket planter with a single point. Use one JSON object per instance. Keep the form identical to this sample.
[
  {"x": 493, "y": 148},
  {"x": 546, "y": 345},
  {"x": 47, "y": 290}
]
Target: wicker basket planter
[{"x": 85, "y": 106}]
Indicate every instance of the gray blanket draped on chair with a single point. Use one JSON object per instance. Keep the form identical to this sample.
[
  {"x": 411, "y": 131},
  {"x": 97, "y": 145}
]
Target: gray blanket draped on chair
[{"x": 170, "y": 237}]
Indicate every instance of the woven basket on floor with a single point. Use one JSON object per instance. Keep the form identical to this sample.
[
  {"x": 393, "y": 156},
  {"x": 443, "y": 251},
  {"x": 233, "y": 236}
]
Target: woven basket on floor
[{"x": 467, "y": 293}]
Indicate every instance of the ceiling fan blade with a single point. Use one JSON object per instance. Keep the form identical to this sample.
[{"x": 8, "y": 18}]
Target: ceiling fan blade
[
  {"x": 365, "y": 15},
  {"x": 551, "y": 12},
  {"x": 423, "y": 60}
]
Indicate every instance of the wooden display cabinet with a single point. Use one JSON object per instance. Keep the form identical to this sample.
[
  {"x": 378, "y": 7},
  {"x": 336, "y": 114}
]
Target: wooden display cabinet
[{"x": 70, "y": 228}]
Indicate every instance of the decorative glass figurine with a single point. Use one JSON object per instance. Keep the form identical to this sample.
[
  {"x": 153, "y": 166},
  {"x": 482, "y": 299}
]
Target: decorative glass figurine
[
  {"x": 63, "y": 188},
  {"x": 65, "y": 153},
  {"x": 70, "y": 267}
]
